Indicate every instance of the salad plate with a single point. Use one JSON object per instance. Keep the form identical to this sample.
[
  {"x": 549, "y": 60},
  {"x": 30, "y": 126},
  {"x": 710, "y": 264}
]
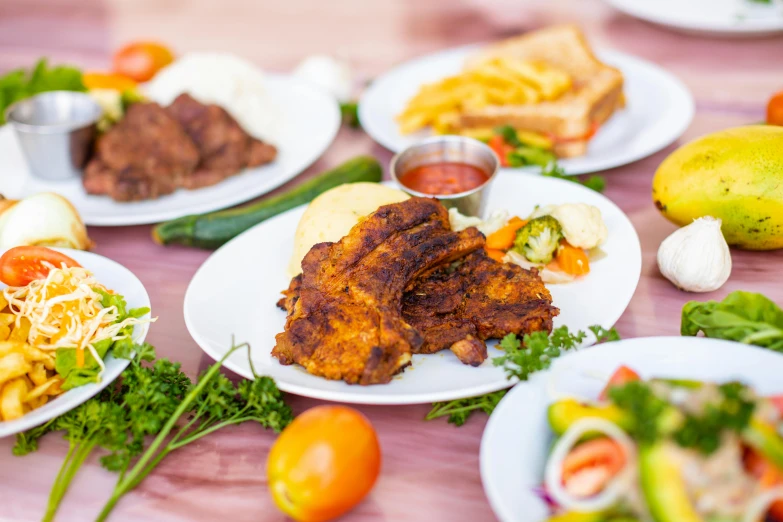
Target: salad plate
[
  {"x": 658, "y": 109},
  {"x": 235, "y": 292},
  {"x": 122, "y": 281},
  {"x": 517, "y": 440},
  {"x": 310, "y": 119}
]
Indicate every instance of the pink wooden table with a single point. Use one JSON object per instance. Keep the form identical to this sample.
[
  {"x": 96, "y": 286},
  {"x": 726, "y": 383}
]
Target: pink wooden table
[{"x": 430, "y": 469}]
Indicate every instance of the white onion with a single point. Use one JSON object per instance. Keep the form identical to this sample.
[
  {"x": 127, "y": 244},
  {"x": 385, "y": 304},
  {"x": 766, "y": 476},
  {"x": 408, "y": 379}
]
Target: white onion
[
  {"x": 616, "y": 487},
  {"x": 45, "y": 219},
  {"x": 760, "y": 504}
]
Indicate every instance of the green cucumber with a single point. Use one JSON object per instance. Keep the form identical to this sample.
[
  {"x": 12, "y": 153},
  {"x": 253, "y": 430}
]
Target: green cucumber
[{"x": 214, "y": 229}]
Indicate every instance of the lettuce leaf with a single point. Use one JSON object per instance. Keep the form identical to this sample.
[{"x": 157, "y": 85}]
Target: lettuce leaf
[
  {"x": 65, "y": 359},
  {"x": 20, "y": 84},
  {"x": 744, "y": 317}
]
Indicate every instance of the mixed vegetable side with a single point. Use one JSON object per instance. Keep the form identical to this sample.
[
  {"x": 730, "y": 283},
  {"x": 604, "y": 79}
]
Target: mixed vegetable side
[{"x": 666, "y": 450}]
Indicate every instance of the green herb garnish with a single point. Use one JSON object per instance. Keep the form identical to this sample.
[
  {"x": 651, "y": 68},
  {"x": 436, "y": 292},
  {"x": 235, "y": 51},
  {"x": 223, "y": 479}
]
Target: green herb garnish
[
  {"x": 644, "y": 408},
  {"x": 553, "y": 170},
  {"x": 533, "y": 353},
  {"x": 159, "y": 401}
]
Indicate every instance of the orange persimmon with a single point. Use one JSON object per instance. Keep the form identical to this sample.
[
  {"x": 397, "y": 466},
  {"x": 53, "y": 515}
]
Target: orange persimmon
[
  {"x": 503, "y": 238},
  {"x": 572, "y": 260},
  {"x": 324, "y": 463}
]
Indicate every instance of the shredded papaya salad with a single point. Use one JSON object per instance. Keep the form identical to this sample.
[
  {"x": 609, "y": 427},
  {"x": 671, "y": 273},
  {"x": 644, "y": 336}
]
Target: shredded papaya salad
[
  {"x": 61, "y": 307},
  {"x": 666, "y": 450}
]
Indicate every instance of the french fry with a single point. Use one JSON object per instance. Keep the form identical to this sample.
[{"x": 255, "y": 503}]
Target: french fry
[
  {"x": 3, "y": 301},
  {"x": 37, "y": 374},
  {"x": 5, "y": 331},
  {"x": 7, "y": 319},
  {"x": 11, "y": 403},
  {"x": 42, "y": 390},
  {"x": 7, "y": 347},
  {"x": 33, "y": 354},
  {"x": 21, "y": 332},
  {"x": 13, "y": 365},
  {"x": 56, "y": 388},
  {"x": 49, "y": 363}
]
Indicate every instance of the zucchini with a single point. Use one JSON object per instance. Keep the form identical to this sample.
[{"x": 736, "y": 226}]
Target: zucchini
[{"x": 216, "y": 228}]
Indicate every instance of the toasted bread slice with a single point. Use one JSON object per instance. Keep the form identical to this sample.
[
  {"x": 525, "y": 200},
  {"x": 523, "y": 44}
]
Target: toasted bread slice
[{"x": 571, "y": 119}]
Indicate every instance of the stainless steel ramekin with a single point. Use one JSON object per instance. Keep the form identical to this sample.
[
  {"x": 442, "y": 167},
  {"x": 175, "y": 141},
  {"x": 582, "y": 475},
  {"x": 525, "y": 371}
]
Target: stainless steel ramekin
[
  {"x": 55, "y": 130},
  {"x": 458, "y": 149}
]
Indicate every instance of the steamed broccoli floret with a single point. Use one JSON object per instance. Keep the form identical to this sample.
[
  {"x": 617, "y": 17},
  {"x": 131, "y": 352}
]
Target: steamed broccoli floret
[{"x": 538, "y": 239}]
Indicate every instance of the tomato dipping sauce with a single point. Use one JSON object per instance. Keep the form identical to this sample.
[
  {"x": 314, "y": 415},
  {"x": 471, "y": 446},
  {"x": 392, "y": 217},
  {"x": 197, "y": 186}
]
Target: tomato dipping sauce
[{"x": 444, "y": 178}]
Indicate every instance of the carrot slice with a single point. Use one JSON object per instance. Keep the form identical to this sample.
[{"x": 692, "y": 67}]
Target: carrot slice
[
  {"x": 503, "y": 238},
  {"x": 572, "y": 260},
  {"x": 497, "y": 255}
]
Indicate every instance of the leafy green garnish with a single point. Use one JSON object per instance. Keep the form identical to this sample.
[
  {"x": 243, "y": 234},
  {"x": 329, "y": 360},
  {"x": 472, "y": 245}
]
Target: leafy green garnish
[
  {"x": 744, "y": 317},
  {"x": 645, "y": 409},
  {"x": 459, "y": 410},
  {"x": 20, "y": 84},
  {"x": 732, "y": 413},
  {"x": 553, "y": 170},
  {"x": 533, "y": 353},
  {"x": 350, "y": 114},
  {"x": 509, "y": 135},
  {"x": 160, "y": 401}
]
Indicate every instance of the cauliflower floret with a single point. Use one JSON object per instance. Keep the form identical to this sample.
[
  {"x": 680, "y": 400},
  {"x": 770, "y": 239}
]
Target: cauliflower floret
[
  {"x": 582, "y": 224},
  {"x": 494, "y": 222}
]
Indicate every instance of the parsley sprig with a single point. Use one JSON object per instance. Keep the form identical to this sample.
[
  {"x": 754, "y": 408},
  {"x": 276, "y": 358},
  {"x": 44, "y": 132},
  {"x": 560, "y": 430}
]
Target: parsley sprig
[
  {"x": 553, "y": 170},
  {"x": 534, "y": 353},
  {"x": 153, "y": 400}
]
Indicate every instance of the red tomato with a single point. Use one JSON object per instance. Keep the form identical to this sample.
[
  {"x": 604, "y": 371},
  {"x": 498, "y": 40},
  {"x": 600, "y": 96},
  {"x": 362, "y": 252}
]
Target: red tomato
[
  {"x": 775, "y": 109},
  {"x": 20, "y": 265},
  {"x": 602, "y": 458},
  {"x": 324, "y": 463},
  {"x": 501, "y": 148},
  {"x": 622, "y": 375},
  {"x": 777, "y": 401},
  {"x": 140, "y": 61}
]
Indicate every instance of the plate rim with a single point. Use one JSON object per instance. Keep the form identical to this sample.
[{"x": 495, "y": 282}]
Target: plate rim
[
  {"x": 610, "y": 55},
  {"x": 499, "y": 508},
  {"x": 728, "y": 29},
  {"x": 91, "y": 390},
  {"x": 399, "y": 399}
]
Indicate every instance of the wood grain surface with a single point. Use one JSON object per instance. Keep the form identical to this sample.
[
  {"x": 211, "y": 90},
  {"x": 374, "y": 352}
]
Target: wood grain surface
[{"x": 430, "y": 469}]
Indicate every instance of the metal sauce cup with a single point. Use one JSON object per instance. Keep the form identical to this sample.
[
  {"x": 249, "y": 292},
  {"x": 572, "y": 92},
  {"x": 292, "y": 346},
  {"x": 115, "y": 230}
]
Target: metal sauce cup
[
  {"x": 55, "y": 130},
  {"x": 453, "y": 149}
]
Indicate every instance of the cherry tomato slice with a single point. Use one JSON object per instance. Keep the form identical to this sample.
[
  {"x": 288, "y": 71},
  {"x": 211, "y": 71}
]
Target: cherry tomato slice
[
  {"x": 622, "y": 375},
  {"x": 775, "y": 109},
  {"x": 21, "y": 265},
  {"x": 140, "y": 61}
]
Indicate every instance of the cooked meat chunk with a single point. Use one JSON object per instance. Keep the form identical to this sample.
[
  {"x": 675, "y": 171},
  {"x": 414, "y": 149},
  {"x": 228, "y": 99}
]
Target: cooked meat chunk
[
  {"x": 460, "y": 305},
  {"x": 223, "y": 146},
  {"x": 144, "y": 156},
  {"x": 153, "y": 151},
  {"x": 347, "y": 322},
  {"x": 478, "y": 297}
]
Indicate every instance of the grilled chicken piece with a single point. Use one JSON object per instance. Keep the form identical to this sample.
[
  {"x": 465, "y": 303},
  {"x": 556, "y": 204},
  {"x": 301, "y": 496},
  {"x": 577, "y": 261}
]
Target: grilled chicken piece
[
  {"x": 347, "y": 322},
  {"x": 461, "y": 305},
  {"x": 478, "y": 297},
  {"x": 146, "y": 155},
  {"x": 224, "y": 147}
]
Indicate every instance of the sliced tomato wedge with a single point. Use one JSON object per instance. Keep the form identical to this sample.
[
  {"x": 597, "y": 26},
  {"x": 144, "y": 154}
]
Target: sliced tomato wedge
[
  {"x": 768, "y": 476},
  {"x": 777, "y": 401},
  {"x": 501, "y": 148},
  {"x": 621, "y": 375},
  {"x": 21, "y": 265},
  {"x": 589, "y": 467}
]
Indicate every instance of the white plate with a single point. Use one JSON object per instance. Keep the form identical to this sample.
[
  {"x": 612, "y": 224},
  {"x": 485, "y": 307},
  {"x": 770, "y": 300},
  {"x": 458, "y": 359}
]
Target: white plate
[
  {"x": 517, "y": 438},
  {"x": 118, "y": 278},
  {"x": 659, "y": 108},
  {"x": 309, "y": 122},
  {"x": 235, "y": 291},
  {"x": 710, "y": 17}
]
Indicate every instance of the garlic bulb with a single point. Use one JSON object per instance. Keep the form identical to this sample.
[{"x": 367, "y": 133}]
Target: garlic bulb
[
  {"x": 44, "y": 219},
  {"x": 696, "y": 258}
]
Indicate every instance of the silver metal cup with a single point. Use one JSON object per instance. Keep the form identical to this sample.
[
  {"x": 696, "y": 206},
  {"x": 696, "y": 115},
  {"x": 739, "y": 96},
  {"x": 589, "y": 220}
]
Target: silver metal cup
[
  {"x": 55, "y": 130},
  {"x": 458, "y": 149}
]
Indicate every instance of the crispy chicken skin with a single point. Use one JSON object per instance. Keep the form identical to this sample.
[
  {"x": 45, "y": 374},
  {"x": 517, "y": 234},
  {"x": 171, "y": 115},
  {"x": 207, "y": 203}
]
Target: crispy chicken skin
[
  {"x": 346, "y": 322},
  {"x": 153, "y": 151},
  {"x": 478, "y": 297},
  {"x": 460, "y": 304}
]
